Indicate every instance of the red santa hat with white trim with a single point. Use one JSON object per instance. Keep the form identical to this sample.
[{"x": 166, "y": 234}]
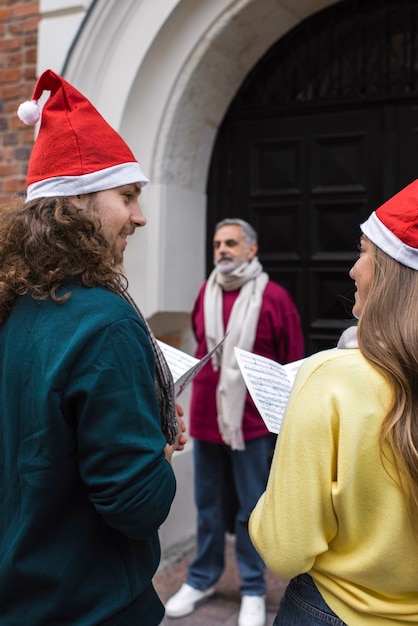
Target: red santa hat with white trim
[
  {"x": 76, "y": 150},
  {"x": 393, "y": 227}
]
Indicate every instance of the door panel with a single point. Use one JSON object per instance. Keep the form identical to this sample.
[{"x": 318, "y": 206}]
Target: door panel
[{"x": 305, "y": 183}]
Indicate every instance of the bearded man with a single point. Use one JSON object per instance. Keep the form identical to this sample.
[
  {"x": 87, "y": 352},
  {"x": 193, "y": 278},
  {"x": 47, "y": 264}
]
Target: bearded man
[{"x": 232, "y": 446}]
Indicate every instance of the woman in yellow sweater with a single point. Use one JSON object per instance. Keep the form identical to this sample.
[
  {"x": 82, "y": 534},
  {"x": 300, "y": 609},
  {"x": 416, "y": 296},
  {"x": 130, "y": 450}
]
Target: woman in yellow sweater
[{"x": 340, "y": 513}]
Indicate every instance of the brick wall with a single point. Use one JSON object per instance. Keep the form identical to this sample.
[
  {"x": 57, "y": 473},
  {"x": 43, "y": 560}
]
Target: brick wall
[{"x": 18, "y": 47}]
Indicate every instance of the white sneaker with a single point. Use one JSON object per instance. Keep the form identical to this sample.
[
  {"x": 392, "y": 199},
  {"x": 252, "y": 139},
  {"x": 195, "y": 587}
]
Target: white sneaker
[
  {"x": 252, "y": 611},
  {"x": 186, "y": 600}
]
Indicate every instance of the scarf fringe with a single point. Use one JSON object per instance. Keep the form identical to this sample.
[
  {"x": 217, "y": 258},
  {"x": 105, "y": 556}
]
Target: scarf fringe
[{"x": 233, "y": 437}]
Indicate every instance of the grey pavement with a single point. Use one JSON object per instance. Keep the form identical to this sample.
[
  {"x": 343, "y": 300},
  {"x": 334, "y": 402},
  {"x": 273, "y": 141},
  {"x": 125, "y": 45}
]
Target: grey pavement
[{"x": 223, "y": 607}]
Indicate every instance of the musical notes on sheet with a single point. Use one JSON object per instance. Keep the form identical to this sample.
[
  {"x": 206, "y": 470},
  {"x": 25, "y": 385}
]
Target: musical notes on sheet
[{"x": 269, "y": 384}]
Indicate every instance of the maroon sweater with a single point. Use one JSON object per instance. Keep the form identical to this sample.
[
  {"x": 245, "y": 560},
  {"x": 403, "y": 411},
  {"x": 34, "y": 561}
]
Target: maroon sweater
[{"x": 278, "y": 337}]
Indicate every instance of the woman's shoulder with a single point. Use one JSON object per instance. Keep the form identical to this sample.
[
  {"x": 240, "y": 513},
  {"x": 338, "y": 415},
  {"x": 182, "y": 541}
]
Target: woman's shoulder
[
  {"x": 337, "y": 364},
  {"x": 333, "y": 357}
]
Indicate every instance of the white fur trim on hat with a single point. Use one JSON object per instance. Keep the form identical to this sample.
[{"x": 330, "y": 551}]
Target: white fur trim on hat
[
  {"x": 108, "y": 178},
  {"x": 387, "y": 241}
]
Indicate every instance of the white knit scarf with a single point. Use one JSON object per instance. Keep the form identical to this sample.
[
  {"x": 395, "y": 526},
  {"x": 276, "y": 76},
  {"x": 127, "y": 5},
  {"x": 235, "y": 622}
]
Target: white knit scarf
[
  {"x": 348, "y": 338},
  {"x": 241, "y": 328}
]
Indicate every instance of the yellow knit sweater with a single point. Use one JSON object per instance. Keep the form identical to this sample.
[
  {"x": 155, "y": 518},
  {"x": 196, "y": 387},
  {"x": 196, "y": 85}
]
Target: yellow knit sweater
[{"x": 332, "y": 507}]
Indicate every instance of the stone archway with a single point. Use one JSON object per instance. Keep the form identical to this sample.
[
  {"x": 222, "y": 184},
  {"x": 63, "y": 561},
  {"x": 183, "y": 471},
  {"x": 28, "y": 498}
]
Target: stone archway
[
  {"x": 163, "y": 72},
  {"x": 175, "y": 72}
]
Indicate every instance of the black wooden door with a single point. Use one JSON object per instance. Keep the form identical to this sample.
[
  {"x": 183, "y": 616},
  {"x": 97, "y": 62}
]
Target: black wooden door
[{"x": 306, "y": 182}]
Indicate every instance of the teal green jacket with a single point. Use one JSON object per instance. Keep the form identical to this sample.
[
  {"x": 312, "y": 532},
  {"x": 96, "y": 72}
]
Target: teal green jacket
[{"x": 84, "y": 483}]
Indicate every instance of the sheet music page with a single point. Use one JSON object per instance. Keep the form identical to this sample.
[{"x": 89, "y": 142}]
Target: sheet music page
[
  {"x": 292, "y": 368},
  {"x": 178, "y": 361},
  {"x": 183, "y": 366},
  {"x": 269, "y": 384}
]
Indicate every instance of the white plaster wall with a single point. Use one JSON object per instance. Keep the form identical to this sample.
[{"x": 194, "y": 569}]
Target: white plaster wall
[
  {"x": 163, "y": 73},
  {"x": 57, "y": 30}
]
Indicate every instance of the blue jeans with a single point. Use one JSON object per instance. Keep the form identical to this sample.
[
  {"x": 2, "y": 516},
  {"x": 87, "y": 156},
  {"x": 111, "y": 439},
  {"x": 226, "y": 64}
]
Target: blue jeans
[
  {"x": 303, "y": 605},
  {"x": 250, "y": 468}
]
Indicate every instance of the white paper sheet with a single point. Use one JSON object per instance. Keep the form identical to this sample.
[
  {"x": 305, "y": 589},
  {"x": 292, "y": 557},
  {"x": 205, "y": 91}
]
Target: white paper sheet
[
  {"x": 269, "y": 384},
  {"x": 183, "y": 366}
]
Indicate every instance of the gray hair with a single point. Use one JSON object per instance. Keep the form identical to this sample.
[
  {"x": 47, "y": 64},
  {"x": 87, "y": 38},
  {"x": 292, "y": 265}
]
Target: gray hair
[{"x": 250, "y": 234}]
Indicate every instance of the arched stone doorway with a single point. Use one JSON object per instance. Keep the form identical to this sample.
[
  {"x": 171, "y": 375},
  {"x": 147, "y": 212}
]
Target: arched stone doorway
[
  {"x": 163, "y": 74},
  {"x": 321, "y": 132}
]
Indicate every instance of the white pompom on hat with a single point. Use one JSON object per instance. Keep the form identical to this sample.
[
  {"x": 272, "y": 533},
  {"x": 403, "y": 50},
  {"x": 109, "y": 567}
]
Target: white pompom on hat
[
  {"x": 393, "y": 227},
  {"x": 29, "y": 112},
  {"x": 76, "y": 150}
]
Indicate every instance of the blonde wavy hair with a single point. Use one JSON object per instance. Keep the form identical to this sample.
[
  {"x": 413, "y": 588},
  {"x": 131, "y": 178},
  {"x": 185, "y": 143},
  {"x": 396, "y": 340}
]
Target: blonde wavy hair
[
  {"x": 388, "y": 338},
  {"x": 48, "y": 242}
]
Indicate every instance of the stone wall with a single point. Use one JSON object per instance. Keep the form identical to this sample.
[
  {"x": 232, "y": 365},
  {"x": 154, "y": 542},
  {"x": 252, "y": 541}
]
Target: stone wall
[{"x": 19, "y": 21}]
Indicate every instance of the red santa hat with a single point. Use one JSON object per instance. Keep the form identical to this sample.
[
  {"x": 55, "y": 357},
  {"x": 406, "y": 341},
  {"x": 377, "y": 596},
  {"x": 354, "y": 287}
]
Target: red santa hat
[
  {"x": 393, "y": 227},
  {"x": 76, "y": 151}
]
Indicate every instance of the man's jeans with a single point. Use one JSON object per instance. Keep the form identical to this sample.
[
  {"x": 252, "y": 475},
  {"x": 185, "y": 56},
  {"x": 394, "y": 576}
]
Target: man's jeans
[
  {"x": 303, "y": 605},
  {"x": 250, "y": 469}
]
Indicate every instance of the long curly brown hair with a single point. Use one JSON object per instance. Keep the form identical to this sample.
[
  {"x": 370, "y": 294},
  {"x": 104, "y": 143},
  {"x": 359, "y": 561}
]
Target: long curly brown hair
[
  {"x": 44, "y": 244},
  {"x": 388, "y": 337}
]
